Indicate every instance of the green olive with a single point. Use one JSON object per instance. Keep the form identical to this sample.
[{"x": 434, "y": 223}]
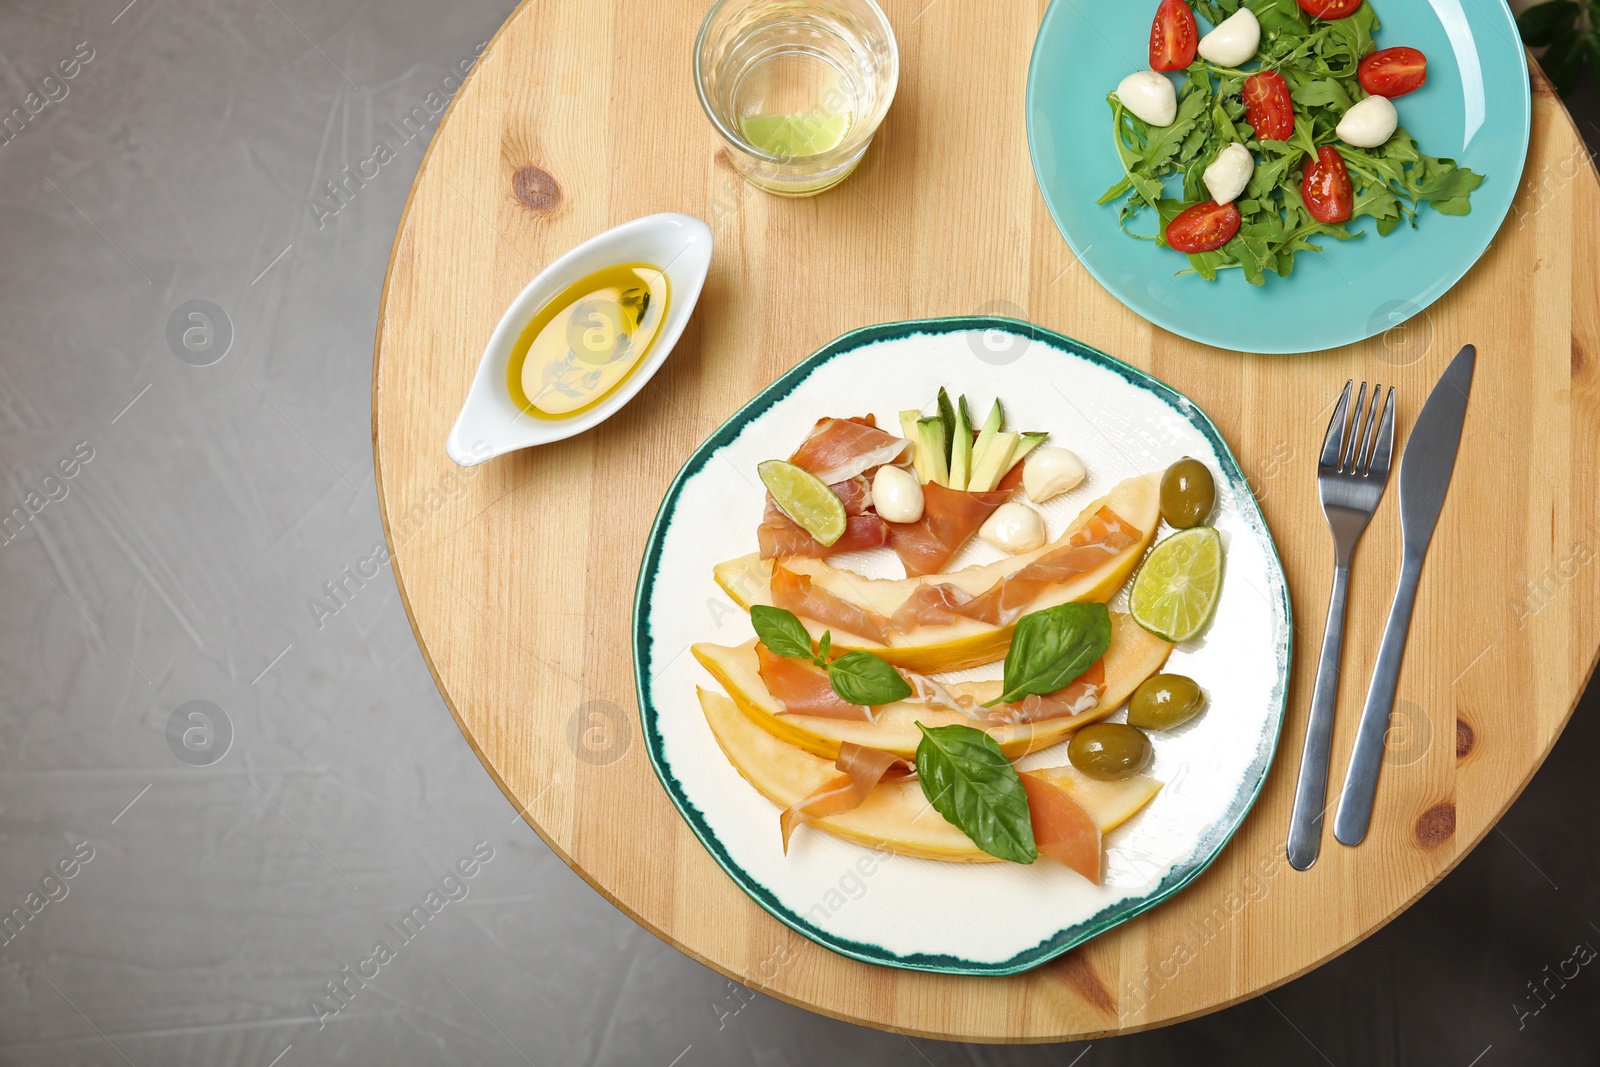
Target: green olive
[
  {"x": 1187, "y": 493},
  {"x": 1163, "y": 701},
  {"x": 1109, "y": 751}
]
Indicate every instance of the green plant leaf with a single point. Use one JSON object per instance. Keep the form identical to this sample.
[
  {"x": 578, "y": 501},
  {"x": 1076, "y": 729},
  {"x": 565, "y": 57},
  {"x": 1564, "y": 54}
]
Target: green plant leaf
[
  {"x": 970, "y": 782},
  {"x": 862, "y": 678},
  {"x": 1052, "y": 647},
  {"x": 782, "y": 632},
  {"x": 1541, "y": 24},
  {"x": 1563, "y": 62}
]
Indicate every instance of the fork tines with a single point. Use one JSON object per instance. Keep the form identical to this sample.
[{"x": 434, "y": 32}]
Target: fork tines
[{"x": 1351, "y": 447}]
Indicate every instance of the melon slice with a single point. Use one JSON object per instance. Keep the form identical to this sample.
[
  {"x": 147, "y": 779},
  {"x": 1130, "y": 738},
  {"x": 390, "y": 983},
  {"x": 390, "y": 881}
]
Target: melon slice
[
  {"x": 968, "y": 642},
  {"x": 1062, "y": 830},
  {"x": 896, "y": 815},
  {"x": 1135, "y": 654}
]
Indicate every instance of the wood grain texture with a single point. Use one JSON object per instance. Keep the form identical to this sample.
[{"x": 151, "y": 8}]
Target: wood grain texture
[{"x": 518, "y": 576}]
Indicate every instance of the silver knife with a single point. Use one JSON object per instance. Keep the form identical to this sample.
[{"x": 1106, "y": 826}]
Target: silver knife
[{"x": 1430, "y": 460}]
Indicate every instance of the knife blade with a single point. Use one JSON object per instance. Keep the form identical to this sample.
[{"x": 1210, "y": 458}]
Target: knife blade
[
  {"x": 1425, "y": 473},
  {"x": 1430, "y": 456}
]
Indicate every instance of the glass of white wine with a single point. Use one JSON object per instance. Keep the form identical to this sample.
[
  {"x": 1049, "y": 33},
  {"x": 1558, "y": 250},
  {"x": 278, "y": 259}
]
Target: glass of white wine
[{"x": 796, "y": 87}]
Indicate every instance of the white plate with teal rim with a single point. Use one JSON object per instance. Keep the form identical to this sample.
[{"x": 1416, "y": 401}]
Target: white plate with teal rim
[
  {"x": 954, "y": 918},
  {"x": 1475, "y": 108}
]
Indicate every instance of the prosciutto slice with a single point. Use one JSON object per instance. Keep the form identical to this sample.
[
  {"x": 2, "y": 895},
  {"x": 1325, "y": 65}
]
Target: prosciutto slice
[
  {"x": 780, "y": 535},
  {"x": 1077, "y": 697},
  {"x": 795, "y": 592},
  {"x": 1102, "y": 537},
  {"x": 803, "y": 689},
  {"x": 837, "y": 450},
  {"x": 949, "y": 519},
  {"x": 860, "y": 770}
]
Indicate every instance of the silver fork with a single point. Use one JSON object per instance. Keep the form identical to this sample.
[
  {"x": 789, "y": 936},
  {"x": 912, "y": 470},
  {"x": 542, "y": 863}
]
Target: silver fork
[{"x": 1351, "y": 475}]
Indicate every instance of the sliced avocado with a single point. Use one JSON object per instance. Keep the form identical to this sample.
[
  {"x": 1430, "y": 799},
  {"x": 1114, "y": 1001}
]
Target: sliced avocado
[
  {"x": 930, "y": 435},
  {"x": 991, "y": 426},
  {"x": 961, "y": 448},
  {"x": 911, "y": 430},
  {"x": 947, "y": 415},
  {"x": 996, "y": 462},
  {"x": 1029, "y": 442}
]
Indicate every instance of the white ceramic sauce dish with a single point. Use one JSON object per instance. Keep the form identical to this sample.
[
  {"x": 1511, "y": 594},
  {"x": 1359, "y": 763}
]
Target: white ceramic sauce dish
[{"x": 491, "y": 423}]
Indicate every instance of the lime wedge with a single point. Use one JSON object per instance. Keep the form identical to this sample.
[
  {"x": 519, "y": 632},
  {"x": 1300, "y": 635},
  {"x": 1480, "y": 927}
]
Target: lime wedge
[
  {"x": 805, "y": 498},
  {"x": 1176, "y": 589},
  {"x": 793, "y": 136}
]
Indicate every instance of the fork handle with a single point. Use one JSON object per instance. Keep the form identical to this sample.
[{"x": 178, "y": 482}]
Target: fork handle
[
  {"x": 1361, "y": 780},
  {"x": 1310, "y": 795}
]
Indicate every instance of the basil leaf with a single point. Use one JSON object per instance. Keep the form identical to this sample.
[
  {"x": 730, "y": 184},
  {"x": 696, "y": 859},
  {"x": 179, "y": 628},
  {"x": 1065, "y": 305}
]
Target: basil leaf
[
  {"x": 970, "y": 782},
  {"x": 862, "y": 678},
  {"x": 781, "y": 631},
  {"x": 825, "y": 646},
  {"x": 1052, "y": 647}
]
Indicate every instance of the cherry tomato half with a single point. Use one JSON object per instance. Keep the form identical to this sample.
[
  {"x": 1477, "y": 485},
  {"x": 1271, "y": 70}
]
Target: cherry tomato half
[
  {"x": 1173, "y": 36},
  {"x": 1326, "y": 187},
  {"x": 1268, "y": 107},
  {"x": 1393, "y": 71},
  {"x": 1330, "y": 9},
  {"x": 1204, "y": 227}
]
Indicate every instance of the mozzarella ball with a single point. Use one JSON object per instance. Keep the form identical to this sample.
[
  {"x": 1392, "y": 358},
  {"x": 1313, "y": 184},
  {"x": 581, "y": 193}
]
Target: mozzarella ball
[
  {"x": 1014, "y": 528},
  {"x": 1150, "y": 96},
  {"x": 1234, "y": 41},
  {"x": 1369, "y": 123},
  {"x": 1230, "y": 173},
  {"x": 1049, "y": 472},
  {"x": 897, "y": 495}
]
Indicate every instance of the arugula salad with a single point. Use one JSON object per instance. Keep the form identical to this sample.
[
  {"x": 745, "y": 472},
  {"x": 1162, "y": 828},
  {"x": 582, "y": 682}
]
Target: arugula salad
[{"x": 1282, "y": 129}]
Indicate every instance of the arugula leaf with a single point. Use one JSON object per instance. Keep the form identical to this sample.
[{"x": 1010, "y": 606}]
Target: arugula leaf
[
  {"x": 1315, "y": 90},
  {"x": 1279, "y": 18},
  {"x": 782, "y": 632},
  {"x": 1146, "y": 152},
  {"x": 1052, "y": 647},
  {"x": 1276, "y": 159},
  {"x": 1162, "y": 143},
  {"x": 861, "y": 678},
  {"x": 970, "y": 782},
  {"x": 1446, "y": 186},
  {"x": 1376, "y": 200},
  {"x": 1252, "y": 247},
  {"x": 1192, "y": 143}
]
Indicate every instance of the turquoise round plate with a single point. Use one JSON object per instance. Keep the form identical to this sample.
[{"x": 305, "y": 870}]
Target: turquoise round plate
[
  {"x": 1474, "y": 109},
  {"x": 962, "y": 918}
]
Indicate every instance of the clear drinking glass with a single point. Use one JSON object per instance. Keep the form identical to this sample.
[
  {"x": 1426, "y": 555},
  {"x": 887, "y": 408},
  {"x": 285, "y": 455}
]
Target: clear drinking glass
[{"x": 796, "y": 87}]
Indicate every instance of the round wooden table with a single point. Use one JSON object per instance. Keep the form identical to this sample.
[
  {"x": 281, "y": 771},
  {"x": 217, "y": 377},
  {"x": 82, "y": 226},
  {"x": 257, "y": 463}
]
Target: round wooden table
[{"x": 518, "y": 576}]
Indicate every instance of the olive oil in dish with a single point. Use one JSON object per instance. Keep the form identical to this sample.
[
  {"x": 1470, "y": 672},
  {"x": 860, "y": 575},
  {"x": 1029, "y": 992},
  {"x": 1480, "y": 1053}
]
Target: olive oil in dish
[{"x": 587, "y": 340}]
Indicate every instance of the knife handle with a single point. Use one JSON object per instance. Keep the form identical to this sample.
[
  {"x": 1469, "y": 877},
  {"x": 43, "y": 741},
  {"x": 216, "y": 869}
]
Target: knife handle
[
  {"x": 1361, "y": 780},
  {"x": 1311, "y": 792}
]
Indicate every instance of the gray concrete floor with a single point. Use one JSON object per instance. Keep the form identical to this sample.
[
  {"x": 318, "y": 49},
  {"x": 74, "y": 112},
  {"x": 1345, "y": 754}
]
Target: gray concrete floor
[{"x": 229, "y": 858}]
